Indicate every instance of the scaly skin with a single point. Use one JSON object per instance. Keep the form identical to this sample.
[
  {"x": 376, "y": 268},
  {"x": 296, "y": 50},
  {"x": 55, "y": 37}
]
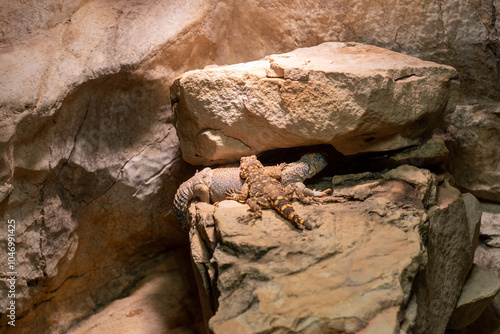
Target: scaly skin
[
  {"x": 263, "y": 190},
  {"x": 210, "y": 185}
]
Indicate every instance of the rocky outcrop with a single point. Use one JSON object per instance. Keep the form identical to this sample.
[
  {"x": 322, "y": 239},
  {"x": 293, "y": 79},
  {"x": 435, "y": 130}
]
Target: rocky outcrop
[
  {"x": 431, "y": 154},
  {"x": 476, "y": 167},
  {"x": 362, "y": 269},
  {"x": 89, "y": 160},
  {"x": 478, "y": 292},
  {"x": 488, "y": 251},
  {"x": 463, "y": 34},
  {"x": 453, "y": 234},
  {"x": 357, "y": 98},
  {"x": 164, "y": 301}
]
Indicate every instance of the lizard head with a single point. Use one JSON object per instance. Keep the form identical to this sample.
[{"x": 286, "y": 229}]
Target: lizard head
[
  {"x": 247, "y": 164},
  {"x": 316, "y": 161}
]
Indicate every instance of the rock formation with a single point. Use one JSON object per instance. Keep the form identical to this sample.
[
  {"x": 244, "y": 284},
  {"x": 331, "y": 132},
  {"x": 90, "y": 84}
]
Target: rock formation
[
  {"x": 488, "y": 251},
  {"x": 469, "y": 125},
  {"x": 478, "y": 292},
  {"x": 90, "y": 161},
  {"x": 164, "y": 301},
  {"x": 357, "y": 98},
  {"x": 363, "y": 268}
]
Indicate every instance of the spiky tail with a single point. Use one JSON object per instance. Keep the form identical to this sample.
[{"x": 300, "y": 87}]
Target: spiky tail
[
  {"x": 285, "y": 208},
  {"x": 189, "y": 190}
]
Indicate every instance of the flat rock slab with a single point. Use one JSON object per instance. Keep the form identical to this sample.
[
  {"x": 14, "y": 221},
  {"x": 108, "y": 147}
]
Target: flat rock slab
[
  {"x": 358, "y": 98},
  {"x": 478, "y": 292},
  {"x": 353, "y": 271}
]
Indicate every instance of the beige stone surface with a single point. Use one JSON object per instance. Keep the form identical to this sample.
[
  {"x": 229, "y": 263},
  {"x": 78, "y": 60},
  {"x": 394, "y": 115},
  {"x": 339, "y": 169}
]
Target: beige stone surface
[
  {"x": 358, "y": 98},
  {"x": 339, "y": 276},
  {"x": 89, "y": 158},
  {"x": 474, "y": 151},
  {"x": 362, "y": 269},
  {"x": 487, "y": 254},
  {"x": 89, "y": 161},
  {"x": 452, "y": 238},
  {"x": 162, "y": 301},
  {"x": 477, "y": 293}
]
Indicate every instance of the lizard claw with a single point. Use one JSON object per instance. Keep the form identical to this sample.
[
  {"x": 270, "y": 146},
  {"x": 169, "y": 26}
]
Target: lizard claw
[
  {"x": 244, "y": 220},
  {"x": 231, "y": 194},
  {"x": 318, "y": 193}
]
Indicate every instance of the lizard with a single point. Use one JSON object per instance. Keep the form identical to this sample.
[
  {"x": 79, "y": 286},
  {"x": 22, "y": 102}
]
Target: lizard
[
  {"x": 210, "y": 185},
  {"x": 262, "y": 189}
]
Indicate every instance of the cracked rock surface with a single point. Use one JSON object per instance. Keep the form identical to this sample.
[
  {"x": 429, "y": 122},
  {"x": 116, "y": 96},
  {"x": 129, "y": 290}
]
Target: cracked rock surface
[
  {"x": 363, "y": 268},
  {"x": 476, "y": 167},
  {"x": 89, "y": 159},
  {"x": 357, "y": 98}
]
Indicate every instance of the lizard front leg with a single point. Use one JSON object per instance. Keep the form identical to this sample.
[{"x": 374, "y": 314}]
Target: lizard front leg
[
  {"x": 256, "y": 205},
  {"x": 238, "y": 196},
  {"x": 313, "y": 192}
]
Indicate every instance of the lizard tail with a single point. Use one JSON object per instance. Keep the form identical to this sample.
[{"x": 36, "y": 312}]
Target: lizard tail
[
  {"x": 285, "y": 208},
  {"x": 195, "y": 187},
  {"x": 181, "y": 200}
]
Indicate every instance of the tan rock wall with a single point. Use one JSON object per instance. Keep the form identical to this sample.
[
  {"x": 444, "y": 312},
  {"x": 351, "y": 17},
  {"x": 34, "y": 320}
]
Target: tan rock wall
[{"x": 86, "y": 139}]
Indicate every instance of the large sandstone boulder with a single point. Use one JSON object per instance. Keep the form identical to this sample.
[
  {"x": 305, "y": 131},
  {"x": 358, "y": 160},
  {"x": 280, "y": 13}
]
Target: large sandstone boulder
[
  {"x": 358, "y": 98},
  {"x": 383, "y": 245}
]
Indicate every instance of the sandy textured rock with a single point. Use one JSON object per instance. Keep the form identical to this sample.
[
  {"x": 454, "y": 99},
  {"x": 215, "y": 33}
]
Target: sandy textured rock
[
  {"x": 488, "y": 258},
  {"x": 490, "y": 225},
  {"x": 452, "y": 238},
  {"x": 474, "y": 152},
  {"x": 463, "y": 34},
  {"x": 360, "y": 186},
  {"x": 432, "y": 153},
  {"x": 164, "y": 300},
  {"x": 272, "y": 277},
  {"x": 488, "y": 251},
  {"x": 84, "y": 92},
  {"x": 89, "y": 158},
  {"x": 324, "y": 280},
  {"x": 358, "y": 98},
  {"x": 478, "y": 292}
]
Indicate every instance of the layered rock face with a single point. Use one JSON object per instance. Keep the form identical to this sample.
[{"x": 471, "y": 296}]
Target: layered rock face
[
  {"x": 89, "y": 159},
  {"x": 89, "y": 162},
  {"x": 357, "y": 98},
  {"x": 362, "y": 269},
  {"x": 253, "y": 282},
  {"x": 476, "y": 167}
]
